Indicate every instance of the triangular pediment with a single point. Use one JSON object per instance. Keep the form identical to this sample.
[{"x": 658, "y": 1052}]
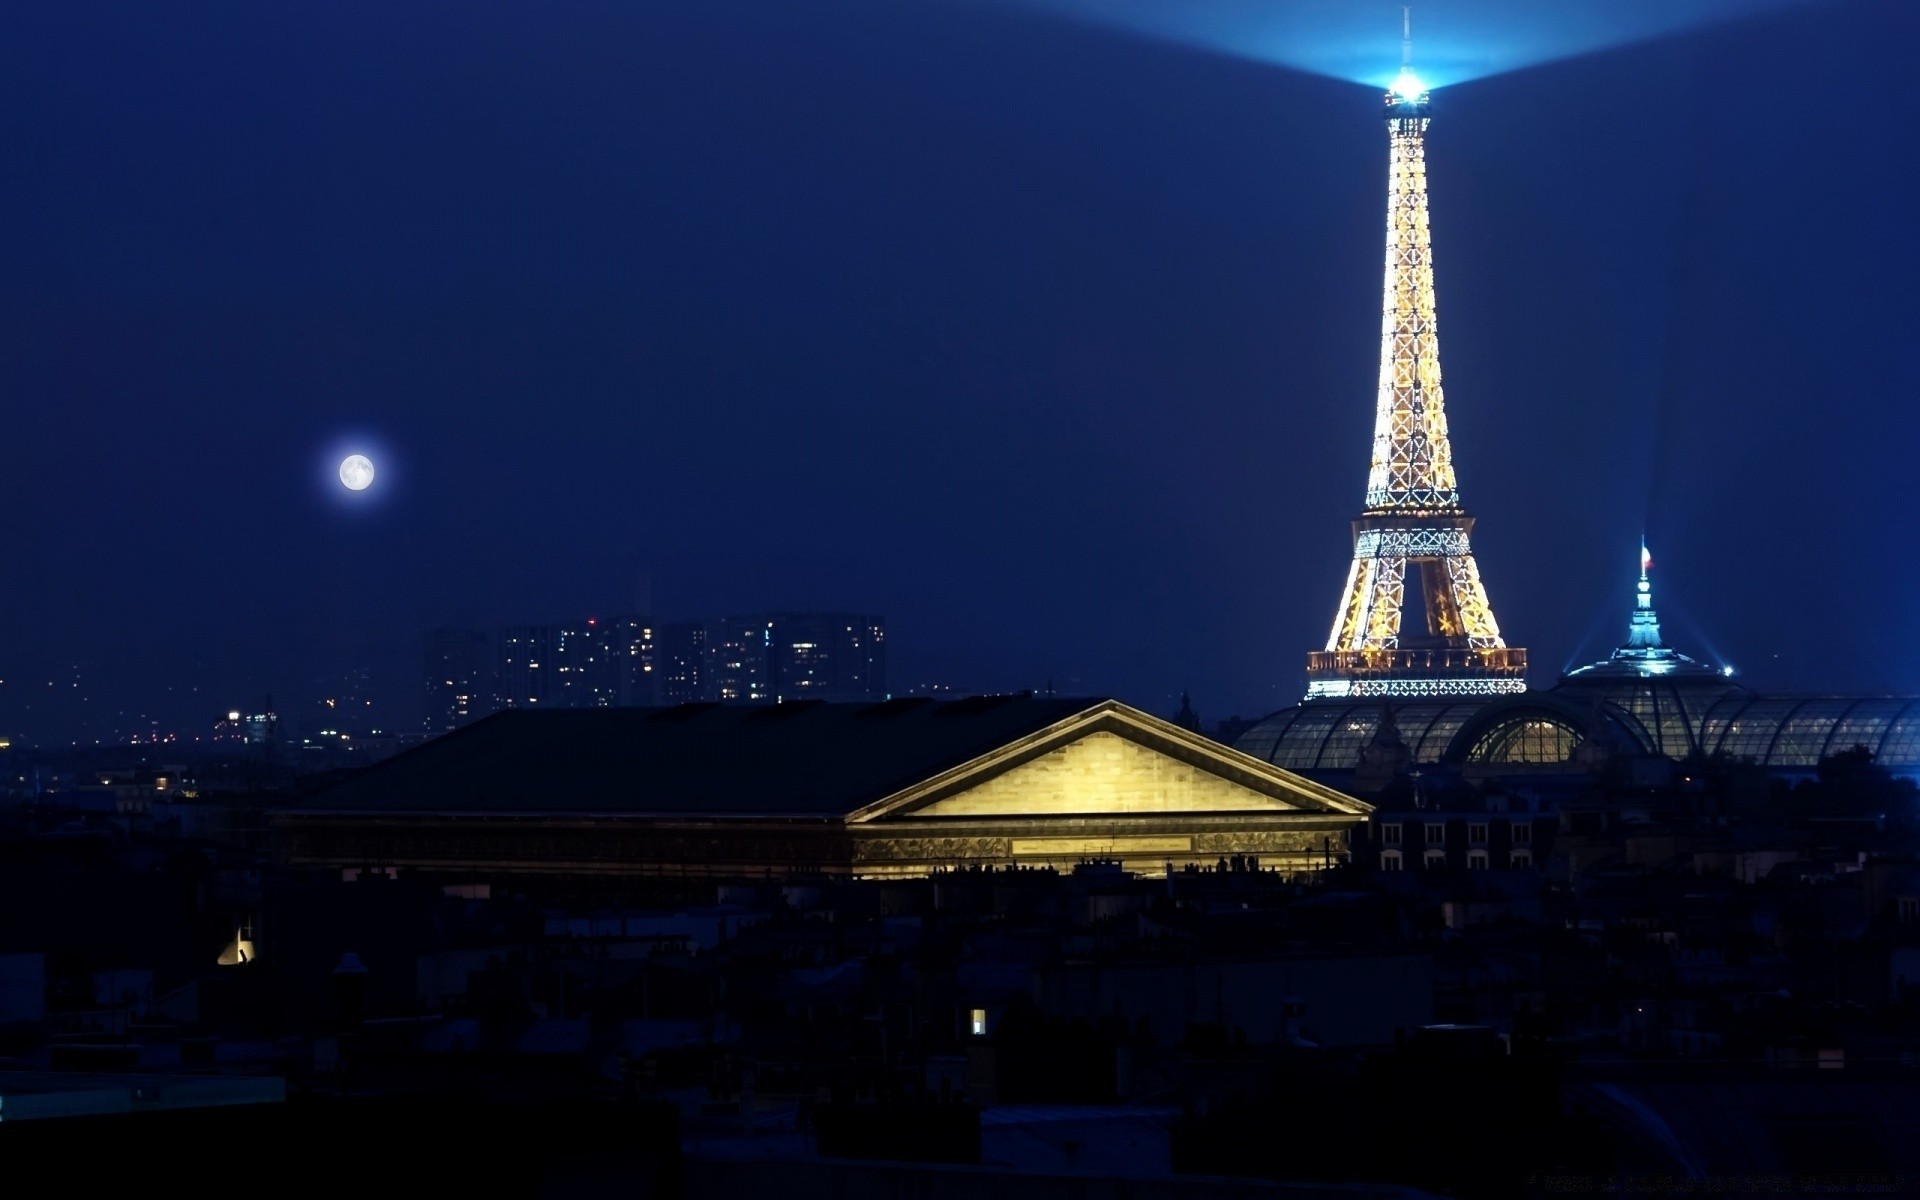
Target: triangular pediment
[
  {"x": 1110, "y": 761},
  {"x": 1103, "y": 774}
]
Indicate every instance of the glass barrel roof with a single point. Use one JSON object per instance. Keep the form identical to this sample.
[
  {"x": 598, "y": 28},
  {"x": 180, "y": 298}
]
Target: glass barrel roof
[
  {"x": 1329, "y": 735},
  {"x": 1675, "y": 717}
]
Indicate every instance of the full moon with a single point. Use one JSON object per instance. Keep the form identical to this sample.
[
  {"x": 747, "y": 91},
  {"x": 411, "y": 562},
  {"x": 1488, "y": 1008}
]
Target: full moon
[{"x": 356, "y": 471}]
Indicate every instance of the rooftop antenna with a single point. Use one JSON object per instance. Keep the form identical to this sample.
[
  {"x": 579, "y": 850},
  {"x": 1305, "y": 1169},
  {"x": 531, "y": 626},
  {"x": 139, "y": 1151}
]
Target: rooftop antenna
[{"x": 1406, "y": 37}]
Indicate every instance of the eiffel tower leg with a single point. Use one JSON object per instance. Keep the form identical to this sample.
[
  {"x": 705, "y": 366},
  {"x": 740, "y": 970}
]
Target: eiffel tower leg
[
  {"x": 1443, "y": 615},
  {"x": 1470, "y": 600},
  {"x": 1383, "y": 610},
  {"x": 1352, "y": 615}
]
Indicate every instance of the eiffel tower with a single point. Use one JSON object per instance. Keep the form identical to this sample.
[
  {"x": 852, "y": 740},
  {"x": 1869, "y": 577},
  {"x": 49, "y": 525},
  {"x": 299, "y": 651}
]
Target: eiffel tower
[{"x": 1411, "y": 541}]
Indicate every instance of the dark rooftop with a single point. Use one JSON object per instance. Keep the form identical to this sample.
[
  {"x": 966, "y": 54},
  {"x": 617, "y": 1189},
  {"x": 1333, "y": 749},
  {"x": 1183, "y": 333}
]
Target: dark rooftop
[{"x": 799, "y": 759}]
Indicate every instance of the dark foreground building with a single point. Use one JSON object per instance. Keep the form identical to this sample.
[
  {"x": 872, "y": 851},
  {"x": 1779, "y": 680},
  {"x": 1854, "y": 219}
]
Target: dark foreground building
[{"x": 904, "y": 787}]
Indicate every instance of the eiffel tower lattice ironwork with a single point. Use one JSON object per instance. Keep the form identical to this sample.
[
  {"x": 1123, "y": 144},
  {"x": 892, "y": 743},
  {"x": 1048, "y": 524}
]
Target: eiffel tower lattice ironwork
[{"x": 1411, "y": 542}]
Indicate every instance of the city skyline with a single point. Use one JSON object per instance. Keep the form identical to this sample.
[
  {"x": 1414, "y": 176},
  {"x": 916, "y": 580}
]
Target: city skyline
[
  {"x": 1126, "y": 506},
  {"x": 457, "y": 674},
  {"x": 731, "y": 599},
  {"x": 634, "y": 661}
]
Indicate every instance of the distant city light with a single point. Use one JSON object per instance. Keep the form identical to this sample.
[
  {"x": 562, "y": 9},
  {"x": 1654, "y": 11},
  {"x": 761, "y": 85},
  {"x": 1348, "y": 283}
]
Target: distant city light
[{"x": 1727, "y": 671}]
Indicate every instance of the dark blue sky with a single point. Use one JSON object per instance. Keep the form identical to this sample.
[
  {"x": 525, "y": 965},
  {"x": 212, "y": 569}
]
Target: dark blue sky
[{"x": 1055, "y": 344}]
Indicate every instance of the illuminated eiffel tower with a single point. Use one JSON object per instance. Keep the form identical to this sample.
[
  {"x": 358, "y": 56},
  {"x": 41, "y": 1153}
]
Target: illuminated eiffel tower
[{"x": 1411, "y": 540}]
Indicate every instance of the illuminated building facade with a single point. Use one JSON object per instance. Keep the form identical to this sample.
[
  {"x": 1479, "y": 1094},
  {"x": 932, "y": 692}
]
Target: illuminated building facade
[
  {"x": 902, "y": 788},
  {"x": 1410, "y": 543}
]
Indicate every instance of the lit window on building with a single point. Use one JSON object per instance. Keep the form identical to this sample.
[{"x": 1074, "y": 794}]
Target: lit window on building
[{"x": 977, "y": 1022}]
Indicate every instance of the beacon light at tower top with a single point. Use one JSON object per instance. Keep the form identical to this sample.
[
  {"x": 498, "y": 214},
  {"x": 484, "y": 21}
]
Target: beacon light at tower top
[
  {"x": 1406, "y": 87},
  {"x": 1461, "y": 40}
]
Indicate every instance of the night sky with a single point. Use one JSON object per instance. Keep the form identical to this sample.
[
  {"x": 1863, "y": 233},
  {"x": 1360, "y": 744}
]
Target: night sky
[{"x": 1053, "y": 342}]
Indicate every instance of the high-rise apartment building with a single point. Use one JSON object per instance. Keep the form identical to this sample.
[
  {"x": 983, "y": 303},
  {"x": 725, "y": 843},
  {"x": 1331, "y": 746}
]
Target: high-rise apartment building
[
  {"x": 526, "y": 658},
  {"x": 634, "y": 662},
  {"x": 737, "y": 659},
  {"x": 459, "y": 676},
  {"x": 827, "y": 656},
  {"x": 782, "y": 656},
  {"x": 586, "y": 667},
  {"x": 635, "y": 647},
  {"x": 681, "y": 663},
  {"x": 704, "y": 661}
]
